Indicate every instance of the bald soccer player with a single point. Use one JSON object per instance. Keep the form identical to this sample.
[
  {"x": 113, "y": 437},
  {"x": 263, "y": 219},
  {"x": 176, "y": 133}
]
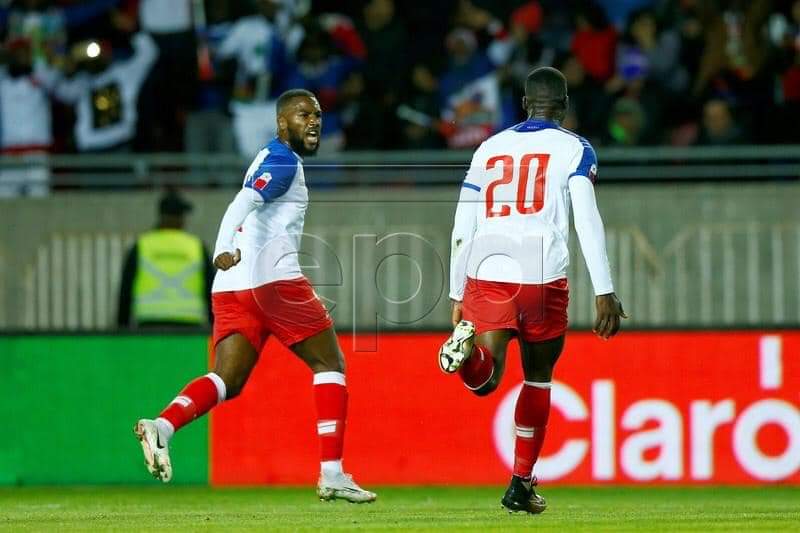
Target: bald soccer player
[{"x": 509, "y": 260}]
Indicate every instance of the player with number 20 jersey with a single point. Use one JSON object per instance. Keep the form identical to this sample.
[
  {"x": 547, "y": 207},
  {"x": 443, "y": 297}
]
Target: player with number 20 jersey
[{"x": 509, "y": 261}]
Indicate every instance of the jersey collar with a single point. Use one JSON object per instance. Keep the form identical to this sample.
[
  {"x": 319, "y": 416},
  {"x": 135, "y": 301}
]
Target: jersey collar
[{"x": 535, "y": 124}]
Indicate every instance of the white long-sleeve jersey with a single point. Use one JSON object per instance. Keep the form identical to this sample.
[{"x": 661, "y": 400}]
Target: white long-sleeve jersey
[
  {"x": 264, "y": 221},
  {"x": 512, "y": 219}
]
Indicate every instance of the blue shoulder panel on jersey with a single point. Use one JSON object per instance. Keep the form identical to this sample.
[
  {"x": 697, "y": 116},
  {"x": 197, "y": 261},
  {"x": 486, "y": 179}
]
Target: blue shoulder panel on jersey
[
  {"x": 588, "y": 163},
  {"x": 572, "y": 133},
  {"x": 276, "y": 172},
  {"x": 472, "y": 186}
]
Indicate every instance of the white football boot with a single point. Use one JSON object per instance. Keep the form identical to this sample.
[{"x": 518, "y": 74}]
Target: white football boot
[
  {"x": 340, "y": 486},
  {"x": 457, "y": 348},
  {"x": 155, "y": 448}
]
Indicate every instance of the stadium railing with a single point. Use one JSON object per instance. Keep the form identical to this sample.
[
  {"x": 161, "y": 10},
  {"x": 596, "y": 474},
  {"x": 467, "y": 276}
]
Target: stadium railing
[
  {"x": 687, "y": 249},
  {"x": 433, "y": 167}
]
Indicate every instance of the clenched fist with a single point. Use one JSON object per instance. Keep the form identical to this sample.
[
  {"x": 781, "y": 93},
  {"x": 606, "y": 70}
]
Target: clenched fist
[{"x": 226, "y": 260}]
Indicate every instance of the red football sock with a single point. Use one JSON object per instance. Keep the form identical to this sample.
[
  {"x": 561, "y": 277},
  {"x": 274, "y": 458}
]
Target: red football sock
[
  {"x": 530, "y": 419},
  {"x": 196, "y": 399},
  {"x": 478, "y": 369},
  {"x": 330, "y": 395}
]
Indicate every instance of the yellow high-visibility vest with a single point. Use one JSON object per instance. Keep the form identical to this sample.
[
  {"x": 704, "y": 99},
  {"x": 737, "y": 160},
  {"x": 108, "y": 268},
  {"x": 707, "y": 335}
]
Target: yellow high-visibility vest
[{"x": 169, "y": 285}]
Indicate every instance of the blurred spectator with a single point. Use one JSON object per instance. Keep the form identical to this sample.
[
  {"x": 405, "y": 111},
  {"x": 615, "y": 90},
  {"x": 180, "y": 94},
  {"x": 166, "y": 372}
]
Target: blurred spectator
[
  {"x": 334, "y": 78},
  {"x": 385, "y": 73},
  {"x": 342, "y": 33},
  {"x": 45, "y": 26},
  {"x": 619, "y": 11},
  {"x": 105, "y": 92},
  {"x": 785, "y": 33},
  {"x": 469, "y": 93},
  {"x": 736, "y": 46},
  {"x": 25, "y": 119},
  {"x": 259, "y": 52},
  {"x": 626, "y": 123},
  {"x": 287, "y": 18},
  {"x": 520, "y": 49},
  {"x": 265, "y": 68},
  {"x": 784, "y": 28},
  {"x": 648, "y": 70},
  {"x": 421, "y": 127},
  {"x": 594, "y": 42},
  {"x": 407, "y": 77},
  {"x": 209, "y": 128},
  {"x": 588, "y": 102},
  {"x": 424, "y": 23},
  {"x": 39, "y": 24},
  {"x": 733, "y": 66},
  {"x": 516, "y": 53},
  {"x": 687, "y": 18},
  {"x": 167, "y": 275},
  {"x": 170, "y": 91},
  {"x": 466, "y": 63},
  {"x": 648, "y": 53},
  {"x": 719, "y": 127},
  {"x": 482, "y": 20},
  {"x": 558, "y": 24}
]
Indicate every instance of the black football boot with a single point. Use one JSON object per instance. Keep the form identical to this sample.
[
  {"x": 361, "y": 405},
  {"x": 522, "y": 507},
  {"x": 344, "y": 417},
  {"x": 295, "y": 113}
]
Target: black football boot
[{"x": 521, "y": 497}]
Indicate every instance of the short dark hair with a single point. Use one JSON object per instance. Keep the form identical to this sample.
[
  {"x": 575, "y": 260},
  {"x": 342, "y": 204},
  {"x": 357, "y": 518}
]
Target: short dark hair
[
  {"x": 172, "y": 203},
  {"x": 546, "y": 86},
  {"x": 289, "y": 95}
]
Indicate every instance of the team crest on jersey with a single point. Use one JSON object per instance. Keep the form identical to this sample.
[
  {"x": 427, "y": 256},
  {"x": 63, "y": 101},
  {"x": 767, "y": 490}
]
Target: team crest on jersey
[
  {"x": 592, "y": 173},
  {"x": 262, "y": 181}
]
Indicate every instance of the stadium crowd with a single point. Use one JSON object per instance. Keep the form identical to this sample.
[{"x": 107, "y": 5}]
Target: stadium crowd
[{"x": 202, "y": 75}]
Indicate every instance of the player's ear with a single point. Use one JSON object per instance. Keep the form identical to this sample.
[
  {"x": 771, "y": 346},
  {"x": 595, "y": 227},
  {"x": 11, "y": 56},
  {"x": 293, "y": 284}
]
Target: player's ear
[
  {"x": 525, "y": 103},
  {"x": 282, "y": 123}
]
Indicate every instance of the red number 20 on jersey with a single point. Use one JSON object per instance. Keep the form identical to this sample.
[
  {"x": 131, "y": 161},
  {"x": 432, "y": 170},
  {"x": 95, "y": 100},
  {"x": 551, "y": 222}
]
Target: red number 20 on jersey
[{"x": 523, "y": 205}]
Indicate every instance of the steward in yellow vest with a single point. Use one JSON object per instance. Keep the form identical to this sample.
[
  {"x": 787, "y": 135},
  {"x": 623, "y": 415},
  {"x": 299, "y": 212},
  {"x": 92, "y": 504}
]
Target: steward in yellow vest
[{"x": 167, "y": 275}]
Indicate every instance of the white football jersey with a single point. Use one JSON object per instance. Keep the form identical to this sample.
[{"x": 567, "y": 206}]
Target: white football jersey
[
  {"x": 269, "y": 238},
  {"x": 518, "y": 180}
]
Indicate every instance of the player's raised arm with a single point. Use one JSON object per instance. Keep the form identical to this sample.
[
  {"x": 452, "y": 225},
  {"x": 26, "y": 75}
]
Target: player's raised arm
[
  {"x": 461, "y": 238},
  {"x": 591, "y": 235}
]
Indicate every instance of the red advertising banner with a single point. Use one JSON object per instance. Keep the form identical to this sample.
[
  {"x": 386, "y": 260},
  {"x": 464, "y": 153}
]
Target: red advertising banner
[{"x": 645, "y": 407}]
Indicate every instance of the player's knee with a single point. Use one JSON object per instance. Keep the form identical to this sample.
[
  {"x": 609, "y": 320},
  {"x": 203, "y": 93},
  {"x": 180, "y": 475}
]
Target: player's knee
[
  {"x": 333, "y": 362},
  {"x": 328, "y": 366},
  {"x": 540, "y": 375}
]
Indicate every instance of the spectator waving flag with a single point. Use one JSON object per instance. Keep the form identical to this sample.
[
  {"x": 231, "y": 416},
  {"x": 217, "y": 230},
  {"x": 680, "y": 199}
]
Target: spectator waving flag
[{"x": 473, "y": 113}]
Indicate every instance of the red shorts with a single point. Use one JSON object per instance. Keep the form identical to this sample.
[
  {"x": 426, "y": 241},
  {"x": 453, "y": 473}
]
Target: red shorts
[
  {"x": 288, "y": 309},
  {"x": 535, "y": 312}
]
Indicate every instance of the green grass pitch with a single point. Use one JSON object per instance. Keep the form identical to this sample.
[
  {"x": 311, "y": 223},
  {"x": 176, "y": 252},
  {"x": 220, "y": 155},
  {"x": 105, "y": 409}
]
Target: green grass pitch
[{"x": 421, "y": 509}]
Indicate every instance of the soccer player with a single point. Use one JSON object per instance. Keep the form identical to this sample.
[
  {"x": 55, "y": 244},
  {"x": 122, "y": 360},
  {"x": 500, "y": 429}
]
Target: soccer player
[
  {"x": 259, "y": 290},
  {"x": 509, "y": 261}
]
